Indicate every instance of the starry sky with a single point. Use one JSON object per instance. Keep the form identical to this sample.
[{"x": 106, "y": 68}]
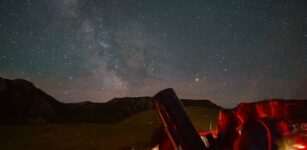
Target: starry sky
[{"x": 95, "y": 50}]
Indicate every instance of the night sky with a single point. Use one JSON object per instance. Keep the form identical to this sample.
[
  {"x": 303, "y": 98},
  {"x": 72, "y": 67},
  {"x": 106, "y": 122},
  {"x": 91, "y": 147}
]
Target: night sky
[{"x": 95, "y": 50}]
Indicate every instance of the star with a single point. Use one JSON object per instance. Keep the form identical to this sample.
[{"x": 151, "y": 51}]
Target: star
[{"x": 138, "y": 48}]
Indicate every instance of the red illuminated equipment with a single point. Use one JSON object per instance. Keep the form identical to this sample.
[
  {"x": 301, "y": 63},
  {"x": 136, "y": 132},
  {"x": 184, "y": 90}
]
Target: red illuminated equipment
[
  {"x": 285, "y": 122},
  {"x": 294, "y": 111},
  {"x": 272, "y": 109},
  {"x": 176, "y": 122}
]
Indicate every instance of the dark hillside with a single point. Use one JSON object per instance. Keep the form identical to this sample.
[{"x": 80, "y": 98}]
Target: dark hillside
[{"x": 22, "y": 102}]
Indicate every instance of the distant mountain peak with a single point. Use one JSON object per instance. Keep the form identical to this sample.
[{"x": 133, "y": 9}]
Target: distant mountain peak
[{"x": 21, "y": 101}]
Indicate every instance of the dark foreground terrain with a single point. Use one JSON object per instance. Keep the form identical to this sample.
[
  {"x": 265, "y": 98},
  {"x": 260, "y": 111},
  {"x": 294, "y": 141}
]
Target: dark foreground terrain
[{"x": 135, "y": 131}]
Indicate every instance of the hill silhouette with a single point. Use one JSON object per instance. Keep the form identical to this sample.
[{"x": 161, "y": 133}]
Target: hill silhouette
[{"x": 22, "y": 102}]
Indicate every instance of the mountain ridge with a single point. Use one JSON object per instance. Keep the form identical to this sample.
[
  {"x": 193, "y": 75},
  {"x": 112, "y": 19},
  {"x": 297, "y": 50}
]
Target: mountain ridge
[{"x": 22, "y": 102}]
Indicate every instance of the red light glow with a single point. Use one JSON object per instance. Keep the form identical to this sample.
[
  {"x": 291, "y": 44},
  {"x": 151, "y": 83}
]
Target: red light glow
[{"x": 299, "y": 146}]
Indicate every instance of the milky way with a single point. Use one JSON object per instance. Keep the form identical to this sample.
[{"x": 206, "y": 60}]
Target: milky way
[{"x": 225, "y": 51}]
